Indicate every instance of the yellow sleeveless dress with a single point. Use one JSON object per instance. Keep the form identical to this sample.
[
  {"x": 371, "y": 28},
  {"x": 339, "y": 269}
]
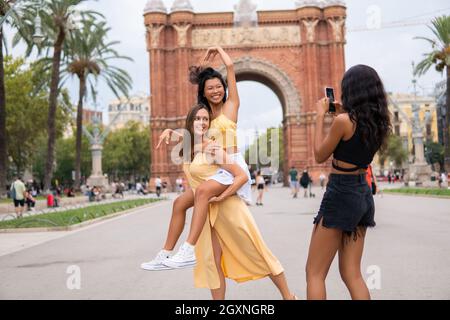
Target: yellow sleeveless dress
[
  {"x": 245, "y": 256},
  {"x": 224, "y": 131}
]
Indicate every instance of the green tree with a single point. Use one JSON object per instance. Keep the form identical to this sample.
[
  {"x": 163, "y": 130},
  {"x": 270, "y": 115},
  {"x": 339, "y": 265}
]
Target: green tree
[
  {"x": 65, "y": 156},
  {"x": 89, "y": 58},
  {"x": 440, "y": 58},
  {"x": 26, "y": 109},
  {"x": 434, "y": 153},
  {"x": 263, "y": 147},
  {"x": 394, "y": 151},
  {"x": 126, "y": 152},
  {"x": 57, "y": 23}
]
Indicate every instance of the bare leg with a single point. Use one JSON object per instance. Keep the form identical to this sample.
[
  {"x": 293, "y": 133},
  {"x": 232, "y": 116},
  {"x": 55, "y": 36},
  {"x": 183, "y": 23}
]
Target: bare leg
[
  {"x": 218, "y": 294},
  {"x": 281, "y": 283},
  {"x": 350, "y": 254},
  {"x": 322, "y": 249},
  {"x": 176, "y": 226},
  {"x": 203, "y": 193}
]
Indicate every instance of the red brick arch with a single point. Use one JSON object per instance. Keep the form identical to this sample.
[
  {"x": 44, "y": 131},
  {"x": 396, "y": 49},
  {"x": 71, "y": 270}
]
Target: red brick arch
[{"x": 296, "y": 53}]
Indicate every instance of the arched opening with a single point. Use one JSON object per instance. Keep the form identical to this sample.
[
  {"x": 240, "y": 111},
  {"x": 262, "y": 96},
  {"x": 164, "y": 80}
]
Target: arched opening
[
  {"x": 260, "y": 126},
  {"x": 277, "y": 81}
]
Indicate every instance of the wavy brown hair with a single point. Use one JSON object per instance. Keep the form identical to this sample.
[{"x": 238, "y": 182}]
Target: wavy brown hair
[{"x": 189, "y": 135}]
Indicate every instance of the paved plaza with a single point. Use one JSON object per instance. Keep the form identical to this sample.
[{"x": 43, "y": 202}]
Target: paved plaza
[{"x": 407, "y": 255}]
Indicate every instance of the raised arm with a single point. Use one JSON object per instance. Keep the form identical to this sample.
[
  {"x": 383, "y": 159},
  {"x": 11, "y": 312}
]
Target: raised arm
[
  {"x": 231, "y": 106},
  {"x": 167, "y": 135},
  {"x": 324, "y": 148}
]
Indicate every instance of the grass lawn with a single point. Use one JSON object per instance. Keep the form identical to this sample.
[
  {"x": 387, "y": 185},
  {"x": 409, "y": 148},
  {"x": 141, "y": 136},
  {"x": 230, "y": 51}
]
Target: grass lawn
[
  {"x": 420, "y": 191},
  {"x": 75, "y": 216}
]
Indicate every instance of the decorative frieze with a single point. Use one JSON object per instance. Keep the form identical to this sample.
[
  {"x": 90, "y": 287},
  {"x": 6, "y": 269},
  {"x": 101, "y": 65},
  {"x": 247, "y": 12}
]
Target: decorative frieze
[{"x": 277, "y": 35}]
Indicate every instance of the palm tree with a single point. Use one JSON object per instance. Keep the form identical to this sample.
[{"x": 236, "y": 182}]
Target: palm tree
[
  {"x": 5, "y": 7},
  {"x": 57, "y": 24},
  {"x": 87, "y": 54},
  {"x": 440, "y": 58}
]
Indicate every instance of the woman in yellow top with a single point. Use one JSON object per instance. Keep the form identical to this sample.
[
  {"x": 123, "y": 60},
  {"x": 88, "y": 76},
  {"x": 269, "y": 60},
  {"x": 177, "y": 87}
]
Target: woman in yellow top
[
  {"x": 224, "y": 110},
  {"x": 230, "y": 244}
]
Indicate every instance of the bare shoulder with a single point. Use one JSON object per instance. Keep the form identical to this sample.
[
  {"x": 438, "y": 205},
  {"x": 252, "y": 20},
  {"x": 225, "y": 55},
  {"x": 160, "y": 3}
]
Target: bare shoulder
[
  {"x": 344, "y": 120},
  {"x": 345, "y": 124}
]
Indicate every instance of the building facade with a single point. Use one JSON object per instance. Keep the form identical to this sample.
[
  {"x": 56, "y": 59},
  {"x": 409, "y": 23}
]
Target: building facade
[
  {"x": 123, "y": 110},
  {"x": 402, "y": 115},
  {"x": 400, "y": 107}
]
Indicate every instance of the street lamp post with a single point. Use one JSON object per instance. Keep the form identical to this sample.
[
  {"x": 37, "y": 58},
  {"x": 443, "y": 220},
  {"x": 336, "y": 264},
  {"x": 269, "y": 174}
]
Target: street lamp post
[{"x": 38, "y": 36}]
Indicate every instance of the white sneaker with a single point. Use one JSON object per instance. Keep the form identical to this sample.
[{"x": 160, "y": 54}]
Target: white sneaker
[
  {"x": 185, "y": 257},
  {"x": 156, "y": 264}
]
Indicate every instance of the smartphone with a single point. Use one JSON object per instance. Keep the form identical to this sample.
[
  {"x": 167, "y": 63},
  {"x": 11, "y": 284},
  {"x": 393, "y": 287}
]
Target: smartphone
[{"x": 329, "y": 93}]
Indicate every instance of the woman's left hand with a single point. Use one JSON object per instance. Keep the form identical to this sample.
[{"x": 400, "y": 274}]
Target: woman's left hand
[
  {"x": 216, "y": 199},
  {"x": 322, "y": 106}
]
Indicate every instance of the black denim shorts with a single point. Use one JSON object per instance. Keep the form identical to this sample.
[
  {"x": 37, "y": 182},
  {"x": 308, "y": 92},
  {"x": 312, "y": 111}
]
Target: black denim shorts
[{"x": 347, "y": 204}]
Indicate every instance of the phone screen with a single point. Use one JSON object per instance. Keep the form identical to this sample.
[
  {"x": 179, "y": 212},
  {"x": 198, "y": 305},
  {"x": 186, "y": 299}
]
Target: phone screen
[{"x": 330, "y": 95}]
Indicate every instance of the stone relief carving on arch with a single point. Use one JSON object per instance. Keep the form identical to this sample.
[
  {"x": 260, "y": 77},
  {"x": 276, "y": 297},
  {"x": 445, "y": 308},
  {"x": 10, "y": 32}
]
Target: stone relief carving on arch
[
  {"x": 182, "y": 33},
  {"x": 267, "y": 36},
  {"x": 337, "y": 26},
  {"x": 310, "y": 26},
  {"x": 154, "y": 31}
]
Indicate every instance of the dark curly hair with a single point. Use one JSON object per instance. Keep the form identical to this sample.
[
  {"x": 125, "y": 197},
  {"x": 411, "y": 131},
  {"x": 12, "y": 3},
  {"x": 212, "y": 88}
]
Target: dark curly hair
[
  {"x": 365, "y": 101},
  {"x": 199, "y": 76}
]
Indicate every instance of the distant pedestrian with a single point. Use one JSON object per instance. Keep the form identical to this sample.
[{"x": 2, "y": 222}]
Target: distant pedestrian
[
  {"x": 322, "y": 179},
  {"x": 293, "y": 177},
  {"x": 158, "y": 185},
  {"x": 252, "y": 177},
  {"x": 139, "y": 188},
  {"x": 261, "y": 185},
  {"x": 179, "y": 183},
  {"x": 305, "y": 182},
  {"x": 30, "y": 200},
  {"x": 18, "y": 191},
  {"x": 443, "y": 179}
]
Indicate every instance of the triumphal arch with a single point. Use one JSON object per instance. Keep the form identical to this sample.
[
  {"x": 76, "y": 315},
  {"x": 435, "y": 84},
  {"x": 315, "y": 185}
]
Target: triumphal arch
[{"x": 296, "y": 53}]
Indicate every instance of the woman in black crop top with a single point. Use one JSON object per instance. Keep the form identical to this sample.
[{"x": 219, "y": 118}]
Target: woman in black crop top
[{"x": 347, "y": 209}]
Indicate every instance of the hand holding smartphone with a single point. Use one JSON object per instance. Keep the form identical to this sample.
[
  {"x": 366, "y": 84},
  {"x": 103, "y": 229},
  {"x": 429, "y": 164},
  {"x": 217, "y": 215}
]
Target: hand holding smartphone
[{"x": 329, "y": 93}]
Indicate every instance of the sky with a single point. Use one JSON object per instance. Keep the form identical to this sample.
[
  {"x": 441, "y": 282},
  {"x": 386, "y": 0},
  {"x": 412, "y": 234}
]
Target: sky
[{"x": 389, "y": 50}]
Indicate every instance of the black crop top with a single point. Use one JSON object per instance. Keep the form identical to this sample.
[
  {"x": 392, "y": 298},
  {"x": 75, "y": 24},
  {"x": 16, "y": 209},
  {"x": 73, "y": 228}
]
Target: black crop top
[{"x": 353, "y": 151}]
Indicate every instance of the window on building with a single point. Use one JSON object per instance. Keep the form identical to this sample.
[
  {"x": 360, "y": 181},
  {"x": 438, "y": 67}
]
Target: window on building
[
  {"x": 396, "y": 117},
  {"x": 429, "y": 133}
]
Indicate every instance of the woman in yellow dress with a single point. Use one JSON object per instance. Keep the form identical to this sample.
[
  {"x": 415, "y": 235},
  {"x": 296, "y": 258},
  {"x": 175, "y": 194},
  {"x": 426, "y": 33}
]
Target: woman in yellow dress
[
  {"x": 230, "y": 244},
  {"x": 213, "y": 94}
]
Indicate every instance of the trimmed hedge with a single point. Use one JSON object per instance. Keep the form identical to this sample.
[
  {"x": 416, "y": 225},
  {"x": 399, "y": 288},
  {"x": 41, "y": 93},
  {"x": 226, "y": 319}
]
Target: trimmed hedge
[
  {"x": 419, "y": 191},
  {"x": 73, "y": 216}
]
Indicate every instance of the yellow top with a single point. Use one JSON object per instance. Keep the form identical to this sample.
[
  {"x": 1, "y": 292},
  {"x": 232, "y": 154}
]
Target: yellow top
[
  {"x": 224, "y": 131},
  {"x": 245, "y": 256}
]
